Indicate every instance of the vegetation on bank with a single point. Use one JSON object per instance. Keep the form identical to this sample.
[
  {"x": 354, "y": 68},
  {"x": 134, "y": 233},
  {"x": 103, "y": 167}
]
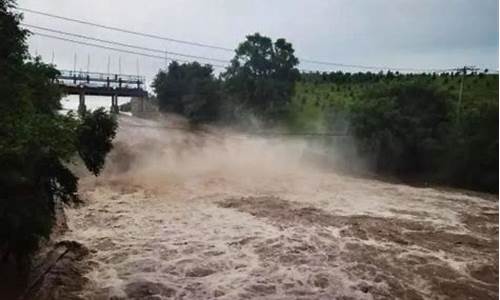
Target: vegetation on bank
[
  {"x": 37, "y": 143},
  {"x": 190, "y": 90},
  {"x": 259, "y": 81},
  {"x": 316, "y": 95},
  {"x": 408, "y": 125}
]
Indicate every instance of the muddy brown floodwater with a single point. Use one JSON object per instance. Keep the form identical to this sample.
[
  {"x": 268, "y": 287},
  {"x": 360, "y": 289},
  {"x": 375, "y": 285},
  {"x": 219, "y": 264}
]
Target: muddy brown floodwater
[{"x": 217, "y": 215}]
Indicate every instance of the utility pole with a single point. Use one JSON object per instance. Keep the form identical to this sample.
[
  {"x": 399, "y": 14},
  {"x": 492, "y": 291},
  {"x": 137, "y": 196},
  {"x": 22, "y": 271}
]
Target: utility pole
[
  {"x": 460, "y": 92},
  {"x": 53, "y": 56},
  {"x": 119, "y": 65}
]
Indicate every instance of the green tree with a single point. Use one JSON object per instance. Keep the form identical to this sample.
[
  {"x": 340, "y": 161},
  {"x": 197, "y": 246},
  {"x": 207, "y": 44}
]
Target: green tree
[
  {"x": 472, "y": 159},
  {"x": 262, "y": 74},
  {"x": 188, "y": 89},
  {"x": 403, "y": 126},
  {"x": 410, "y": 129},
  {"x": 37, "y": 143}
]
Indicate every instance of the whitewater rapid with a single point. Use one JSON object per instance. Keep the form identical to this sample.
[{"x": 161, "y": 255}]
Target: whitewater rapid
[{"x": 219, "y": 215}]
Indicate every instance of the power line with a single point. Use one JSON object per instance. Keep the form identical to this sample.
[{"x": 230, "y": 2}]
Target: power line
[
  {"x": 125, "y": 45},
  {"x": 114, "y": 49},
  {"x": 122, "y": 44},
  {"x": 371, "y": 67},
  {"x": 126, "y": 30},
  {"x": 185, "y": 55},
  {"x": 154, "y": 36}
]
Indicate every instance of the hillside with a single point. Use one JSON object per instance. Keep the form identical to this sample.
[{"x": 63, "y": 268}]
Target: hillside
[{"x": 318, "y": 99}]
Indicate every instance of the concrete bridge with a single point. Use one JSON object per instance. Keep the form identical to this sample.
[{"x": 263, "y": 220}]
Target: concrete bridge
[{"x": 102, "y": 84}]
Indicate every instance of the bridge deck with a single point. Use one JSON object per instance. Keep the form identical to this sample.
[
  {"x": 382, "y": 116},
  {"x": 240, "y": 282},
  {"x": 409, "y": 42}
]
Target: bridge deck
[
  {"x": 101, "y": 84},
  {"x": 104, "y": 91}
]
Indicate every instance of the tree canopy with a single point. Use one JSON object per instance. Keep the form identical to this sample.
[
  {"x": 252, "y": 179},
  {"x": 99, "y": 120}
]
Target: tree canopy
[
  {"x": 410, "y": 129},
  {"x": 37, "y": 142},
  {"x": 262, "y": 74},
  {"x": 403, "y": 126},
  {"x": 188, "y": 89}
]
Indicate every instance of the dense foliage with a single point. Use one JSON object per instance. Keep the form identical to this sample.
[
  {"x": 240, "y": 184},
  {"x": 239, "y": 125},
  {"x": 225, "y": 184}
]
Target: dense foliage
[
  {"x": 409, "y": 125},
  {"x": 262, "y": 75},
  {"x": 472, "y": 159},
  {"x": 95, "y": 135},
  {"x": 348, "y": 78},
  {"x": 259, "y": 80},
  {"x": 37, "y": 142},
  {"x": 188, "y": 89},
  {"x": 413, "y": 129},
  {"x": 403, "y": 126}
]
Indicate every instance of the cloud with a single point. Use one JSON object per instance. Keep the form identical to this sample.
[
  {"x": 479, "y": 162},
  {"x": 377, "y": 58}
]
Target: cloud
[{"x": 422, "y": 34}]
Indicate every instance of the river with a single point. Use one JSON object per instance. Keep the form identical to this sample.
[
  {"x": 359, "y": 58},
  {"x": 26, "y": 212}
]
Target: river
[{"x": 221, "y": 215}]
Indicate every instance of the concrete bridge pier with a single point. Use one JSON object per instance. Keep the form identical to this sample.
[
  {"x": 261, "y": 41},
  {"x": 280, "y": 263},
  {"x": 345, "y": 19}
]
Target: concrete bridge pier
[
  {"x": 81, "y": 106},
  {"x": 114, "y": 104}
]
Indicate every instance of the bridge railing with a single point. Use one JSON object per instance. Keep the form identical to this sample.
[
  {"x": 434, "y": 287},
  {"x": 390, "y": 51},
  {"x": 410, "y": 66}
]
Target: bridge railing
[{"x": 80, "y": 76}]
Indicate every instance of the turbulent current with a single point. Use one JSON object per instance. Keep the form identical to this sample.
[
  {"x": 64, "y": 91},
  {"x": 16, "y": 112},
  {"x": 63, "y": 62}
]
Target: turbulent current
[{"x": 209, "y": 214}]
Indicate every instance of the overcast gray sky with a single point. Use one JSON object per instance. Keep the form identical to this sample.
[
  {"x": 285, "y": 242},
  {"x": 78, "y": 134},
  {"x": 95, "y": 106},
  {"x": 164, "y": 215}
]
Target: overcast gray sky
[{"x": 397, "y": 33}]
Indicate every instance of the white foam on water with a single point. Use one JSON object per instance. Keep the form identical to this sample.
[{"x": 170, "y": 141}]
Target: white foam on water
[{"x": 155, "y": 215}]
